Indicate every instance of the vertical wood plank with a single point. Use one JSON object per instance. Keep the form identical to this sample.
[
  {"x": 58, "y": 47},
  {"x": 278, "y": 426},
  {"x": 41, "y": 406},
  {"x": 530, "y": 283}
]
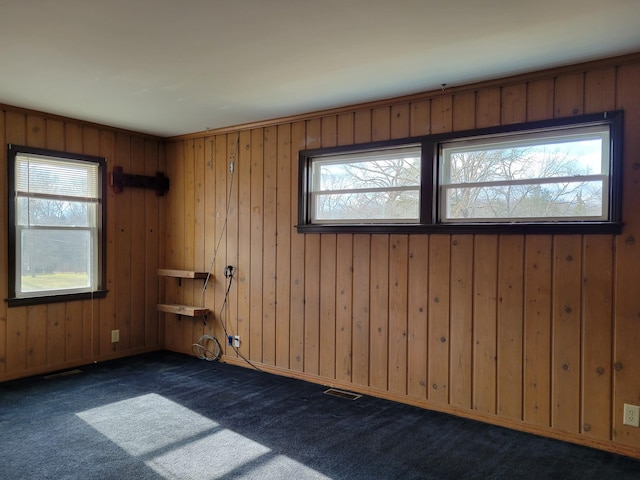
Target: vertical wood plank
[
  {"x": 243, "y": 174},
  {"x": 312, "y": 277},
  {"x": 461, "y": 323},
  {"x": 441, "y": 114},
  {"x": 398, "y": 327},
  {"x": 569, "y": 97},
  {"x": 566, "y": 333},
  {"x": 420, "y": 118},
  {"x": 283, "y": 246},
  {"x": 152, "y": 248},
  {"x": 296, "y": 303},
  {"x": 361, "y": 302},
  {"x": 514, "y": 104},
  {"x": 438, "y": 314},
  {"x": 540, "y": 99},
  {"x": 175, "y": 242},
  {"x": 379, "y": 312},
  {"x": 417, "y": 315},
  {"x": 16, "y": 359},
  {"x": 537, "y": 330},
  {"x": 597, "y": 340},
  {"x": 208, "y": 212},
  {"x": 362, "y": 131},
  {"x": 257, "y": 232},
  {"x": 464, "y": 111},
  {"x": 230, "y": 237},
  {"x": 510, "y": 295},
  {"x": 56, "y": 136},
  {"x": 138, "y": 247},
  {"x": 627, "y": 258},
  {"x": 380, "y": 123},
  {"x": 37, "y": 336},
  {"x": 312, "y": 304},
  {"x": 123, "y": 246},
  {"x": 344, "y": 306},
  {"x": 485, "y": 287},
  {"x": 201, "y": 262},
  {"x": 219, "y": 260},
  {"x": 346, "y": 129},
  {"x": 56, "y": 323},
  {"x": 36, "y": 131},
  {"x": 400, "y": 121},
  {"x": 74, "y": 331},
  {"x": 186, "y": 325},
  {"x": 328, "y": 254},
  {"x": 270, "y": 172},
  {"x": 488, "y": 107},
  {"x": 600, "y": 90}
]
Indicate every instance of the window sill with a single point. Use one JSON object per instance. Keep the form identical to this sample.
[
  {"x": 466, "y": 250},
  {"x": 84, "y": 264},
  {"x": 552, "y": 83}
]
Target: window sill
[
  {"x": 21, "y": 302},
  {"x": 585, "y": 228}
]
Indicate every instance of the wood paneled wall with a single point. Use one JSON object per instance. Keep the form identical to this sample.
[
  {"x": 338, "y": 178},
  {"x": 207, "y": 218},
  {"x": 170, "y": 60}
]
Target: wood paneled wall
[
  {"x": 54, "y": 336},
  {"x": 534, "y": 332}
]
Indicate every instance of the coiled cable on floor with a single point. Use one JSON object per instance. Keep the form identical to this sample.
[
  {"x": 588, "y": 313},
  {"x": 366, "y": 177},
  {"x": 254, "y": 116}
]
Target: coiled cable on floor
[{"x": 202, "y": 350}]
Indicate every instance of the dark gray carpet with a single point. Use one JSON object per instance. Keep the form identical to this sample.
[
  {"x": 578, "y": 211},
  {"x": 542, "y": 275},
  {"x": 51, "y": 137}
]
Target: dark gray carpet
[{"x": 170, "y": 416}]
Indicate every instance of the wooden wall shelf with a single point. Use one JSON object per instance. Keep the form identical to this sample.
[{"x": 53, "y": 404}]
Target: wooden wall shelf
[
  {"x": 168, "y": 272},
  {"x": 186, "y": 310}
]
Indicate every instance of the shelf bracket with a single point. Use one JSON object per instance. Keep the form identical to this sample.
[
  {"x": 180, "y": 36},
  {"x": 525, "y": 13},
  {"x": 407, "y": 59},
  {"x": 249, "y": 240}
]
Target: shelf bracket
[{"x": 119, "y": 180}]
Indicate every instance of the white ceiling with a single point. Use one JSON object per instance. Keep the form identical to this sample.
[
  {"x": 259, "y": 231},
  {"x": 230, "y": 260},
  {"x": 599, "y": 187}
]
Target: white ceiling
[{"x": 170, "y": 67}]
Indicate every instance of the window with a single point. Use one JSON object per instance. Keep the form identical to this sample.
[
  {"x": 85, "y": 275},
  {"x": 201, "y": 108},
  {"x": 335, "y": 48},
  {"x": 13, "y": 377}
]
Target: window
[
  {"x": 556, "y": 175},
  {"x": 553, "y": 176},
  {"x": 56, "y": 230},
  {"x": 371, "y": 186}
]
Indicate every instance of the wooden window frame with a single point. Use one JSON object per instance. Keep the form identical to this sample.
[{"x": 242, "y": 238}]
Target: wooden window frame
[{"x": 430, "y": 172}]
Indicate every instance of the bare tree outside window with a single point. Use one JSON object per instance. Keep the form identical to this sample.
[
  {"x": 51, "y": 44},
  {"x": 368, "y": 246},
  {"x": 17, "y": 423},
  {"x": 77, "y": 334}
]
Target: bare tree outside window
[
  {"x": 564, "y": 179},
  {"x": 547, "y": 176},
  {"x": 368, "y": 187}
]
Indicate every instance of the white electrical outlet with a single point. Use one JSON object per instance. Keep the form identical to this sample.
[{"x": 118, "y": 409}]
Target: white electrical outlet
[
  {"x": 236, "y": 341},
  {"x": 631, "y": 415},
  {"x": 115, "y": 336}
]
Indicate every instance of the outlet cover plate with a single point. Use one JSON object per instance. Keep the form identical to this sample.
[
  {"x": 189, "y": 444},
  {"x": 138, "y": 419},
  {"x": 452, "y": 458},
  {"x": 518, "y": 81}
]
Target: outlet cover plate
[{"x": 631, "y": 415}]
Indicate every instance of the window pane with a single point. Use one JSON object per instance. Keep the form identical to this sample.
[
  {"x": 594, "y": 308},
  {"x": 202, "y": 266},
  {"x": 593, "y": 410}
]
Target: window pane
[
  {"x": 44, "y": 212},
  {"x": 540, "y": 161},
  {"x": 55, "y": 259},
  {"x": 511, "y": 177},
  {"x": 369, "y": 206},
  {"x": 533, "y": 201},
  {"x": 367, "y": 186}
]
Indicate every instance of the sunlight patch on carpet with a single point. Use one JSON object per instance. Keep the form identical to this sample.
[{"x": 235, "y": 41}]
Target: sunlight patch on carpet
[
  {"x": 146, "y": 424},
  {"x": 216, "y": 455},
  {"x": 178, "y": 443}
]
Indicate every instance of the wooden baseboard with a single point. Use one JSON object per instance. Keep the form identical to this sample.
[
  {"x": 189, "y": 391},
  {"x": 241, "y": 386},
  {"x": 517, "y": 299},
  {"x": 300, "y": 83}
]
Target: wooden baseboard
[{"x": 56, "y": 367}]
